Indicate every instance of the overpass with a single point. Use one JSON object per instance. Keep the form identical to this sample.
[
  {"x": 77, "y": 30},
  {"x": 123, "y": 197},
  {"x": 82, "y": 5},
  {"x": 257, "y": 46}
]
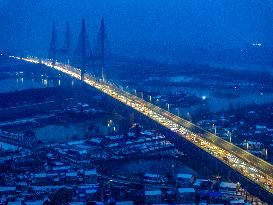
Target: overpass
[{"x": 251, "y": 167}]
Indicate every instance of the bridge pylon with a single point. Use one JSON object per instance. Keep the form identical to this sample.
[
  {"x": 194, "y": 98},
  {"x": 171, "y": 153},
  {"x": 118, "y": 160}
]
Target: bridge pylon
[
  {"x": 67, "y": 44},
  {"x": 102, "y": 47},
  {"x": 83, "y": 49},
  {"x": 53, "y": 45}
]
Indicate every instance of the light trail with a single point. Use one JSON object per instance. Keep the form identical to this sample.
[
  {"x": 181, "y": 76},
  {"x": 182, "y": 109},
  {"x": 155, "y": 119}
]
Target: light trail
[{"x": 253, "y": 168}]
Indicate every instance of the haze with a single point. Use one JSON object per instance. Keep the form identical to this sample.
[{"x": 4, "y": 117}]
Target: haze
[{"x": 134, "y": 27}]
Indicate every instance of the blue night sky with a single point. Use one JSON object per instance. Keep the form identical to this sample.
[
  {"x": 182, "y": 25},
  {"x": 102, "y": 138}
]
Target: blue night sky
[{"x": 134, "y": 24}]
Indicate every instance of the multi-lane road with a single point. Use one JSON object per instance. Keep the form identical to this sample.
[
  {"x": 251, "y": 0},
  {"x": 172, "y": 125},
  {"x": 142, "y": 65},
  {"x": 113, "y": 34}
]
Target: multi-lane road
[{"x": 255, "y": 169}]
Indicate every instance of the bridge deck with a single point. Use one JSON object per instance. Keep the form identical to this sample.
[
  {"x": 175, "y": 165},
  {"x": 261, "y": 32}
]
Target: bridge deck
[{"x": 255, "y": 169}]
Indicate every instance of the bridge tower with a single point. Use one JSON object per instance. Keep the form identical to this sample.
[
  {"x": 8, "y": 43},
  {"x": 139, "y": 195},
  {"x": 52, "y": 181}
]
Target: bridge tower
[
  {"x": 53, "y": 45},
  {"x": 102, "y": 37},
  {"x": 67, "y": 44},
  {"x": 83, "y": 49}
]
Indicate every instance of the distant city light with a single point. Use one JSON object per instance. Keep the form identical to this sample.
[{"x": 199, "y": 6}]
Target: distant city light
[
  {"x": 45, "y": 82},
  {"x": 257, "y": 44}
]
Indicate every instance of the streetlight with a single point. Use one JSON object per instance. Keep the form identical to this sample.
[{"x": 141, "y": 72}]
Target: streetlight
[
  {"x": 214, "y": 127},
  {"x": 247, "y": 145},
  {"x": 168, "y": 106},
  {"x": 150, "y": 98},
  {"x": 266, "y": 153},
  {"x": 229, "y": 135}
]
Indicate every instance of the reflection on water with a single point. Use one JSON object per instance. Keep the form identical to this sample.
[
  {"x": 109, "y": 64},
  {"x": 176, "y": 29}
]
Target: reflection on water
[
  {"x": 216, "y": 103},
  {"x": 17, "y": 84}
]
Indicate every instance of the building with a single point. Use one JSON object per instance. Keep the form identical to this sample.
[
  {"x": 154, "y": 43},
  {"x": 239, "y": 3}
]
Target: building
[
  {"x": 71, "y": 177},
  {"x": 90, "y": 176},
  {"x": 125, "y": 203},
  {"x": 153, "y": 197},
  {"x": 185, "y": 180},
  {"x": 185, "y": 195},
  {"x": 237, "y": 202},
  {"x": 40, "y": 178},
  {"x": 7, "y": 190},
  {"x": 228, "y": 188},
  {"x": 202, "y": 184},
  {"x": 90, "y": 193},
  {"x": 152, "y": 177}
]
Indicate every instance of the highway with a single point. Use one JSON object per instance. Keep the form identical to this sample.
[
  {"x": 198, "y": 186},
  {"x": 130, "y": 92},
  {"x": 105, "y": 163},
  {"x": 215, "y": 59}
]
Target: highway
[{"x": 253, "y": 168}]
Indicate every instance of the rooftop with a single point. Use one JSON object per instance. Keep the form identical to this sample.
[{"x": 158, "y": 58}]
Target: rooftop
[
  {"x": 71, "y": 174},
  {"x": 90, "y": 172},
  {"x": 7, "y": 188},
  {"x": 40, "y": 175},
  {"x": 153, "y": 193},
  {"x": 228, "y": 185},
  {"x": 184, "y": 176},
  {"x": 186, "y": 190}
]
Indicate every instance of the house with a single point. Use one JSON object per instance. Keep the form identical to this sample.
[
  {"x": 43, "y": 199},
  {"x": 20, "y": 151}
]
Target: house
[
  {"x": 153, "y": 197},
  {"x": 59, "y": 169},
  {"x": 52, "y": 177},
  {"x": 71, "y": 177},
  {"x": 185, "y": 195},
  {"x": 26, "y": 203},
  {"x": 90, "y": 176},
  {"x": 261, "y": 128},
  {"x": 184, "y": 180},
  {"x": 228, "y": 188},
  {"x": 34, "y": 203},
  {"x": 152, "y": 177},
  {"x": 125, "y": 203},
  {"x": 202, "y": 183},
  {"x": 90, "y": 193},
  {"x": 237, "y": 202},
  {"x": 40, "y": 178},
  {"x": 15, "y": 203},
  {"x": 214, "y": 196},
  {"x": 77, "y": 203},
  {"x": 7, "y": 190},
  {"x": 81, "y": 195}
]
